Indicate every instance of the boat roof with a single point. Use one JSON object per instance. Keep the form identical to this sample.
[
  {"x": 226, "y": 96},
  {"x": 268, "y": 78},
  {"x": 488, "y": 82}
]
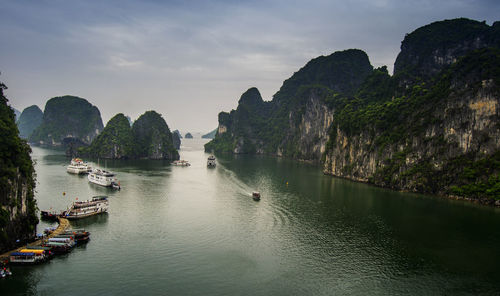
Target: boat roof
[
  {"x": 32, "y": 251},
  {"x": 38, "y": 248},
  {"x": 22, "y": 254}
]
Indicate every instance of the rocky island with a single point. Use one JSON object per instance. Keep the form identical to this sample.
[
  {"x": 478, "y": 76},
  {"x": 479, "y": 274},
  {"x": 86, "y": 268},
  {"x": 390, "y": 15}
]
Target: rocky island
[
  {"x": 432, "y": 127},
  {"x": 67, "y": 119},
  {"x": 29, "y": 120},
  {"x": 148, "y": 138}
]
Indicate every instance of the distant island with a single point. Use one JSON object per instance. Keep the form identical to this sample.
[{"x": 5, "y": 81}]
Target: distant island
[
  {"x": 209, "y": 135},
  {"x": 29, "y": 120},
  {"x": 67, "y": 120},
  {"x": 188, "y": 136},
  {"x": 148, "y": 138},
  {"x": 432, "y": 127}
]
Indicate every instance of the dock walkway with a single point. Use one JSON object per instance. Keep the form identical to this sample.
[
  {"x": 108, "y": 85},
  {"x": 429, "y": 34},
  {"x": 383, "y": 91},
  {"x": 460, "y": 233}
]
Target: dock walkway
[{"x": 63, "y": 225}]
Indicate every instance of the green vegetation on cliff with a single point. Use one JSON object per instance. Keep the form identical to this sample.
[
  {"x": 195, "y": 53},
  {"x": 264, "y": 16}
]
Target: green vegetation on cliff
[
  {"x": 68, "y": 116},
  {"x": 264, "y": 127},
  {"x": 29, "y": 120},
  {"x": 17, "y": 181},
  {"x": 432, "y": 127},
  {"x": 152, "y": 138},
  {"x": 115, "y": 140},
  {"x": 149, "y": 137}
]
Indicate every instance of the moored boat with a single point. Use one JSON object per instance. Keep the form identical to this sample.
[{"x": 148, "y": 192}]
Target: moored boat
[
  {"x": 80, "y": 235},
  {"x": 211, "y": 161},
  {"x": 26, "y": 256},
  {"x": 181, "y": 163},
  {"x": 81, "y": 209},
  {"x": 78, "y": 166},
  {"x": 103, "y": 178},
  {"x": 49, "y": 216},
  {"x": 57, "y": 248}
]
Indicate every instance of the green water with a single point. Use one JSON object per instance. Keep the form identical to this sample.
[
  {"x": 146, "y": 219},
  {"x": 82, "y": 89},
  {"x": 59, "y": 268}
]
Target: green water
[{"x": 196, "y": 231}]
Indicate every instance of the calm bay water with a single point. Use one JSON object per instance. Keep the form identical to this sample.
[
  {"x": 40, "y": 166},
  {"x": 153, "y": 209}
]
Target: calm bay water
[{"x": 196, "y": 231}]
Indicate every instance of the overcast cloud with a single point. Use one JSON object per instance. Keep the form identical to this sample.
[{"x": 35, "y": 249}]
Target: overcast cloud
[{"x": 189, "y": 60}]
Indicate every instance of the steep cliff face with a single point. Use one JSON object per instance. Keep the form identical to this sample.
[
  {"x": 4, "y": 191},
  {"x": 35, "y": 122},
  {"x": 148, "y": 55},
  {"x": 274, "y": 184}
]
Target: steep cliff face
[
  {"x": 67, "y": 117},
  {"x": 441, "y": 139},
  {"x": 176, "y": 141},
  {"x": 432, "y": 127},
  {"x": 286, "y": 126},
  {"x": 18, "y": 217},
  {"x": 152, "y": 138},
  {"x": 29, "y": 120}
]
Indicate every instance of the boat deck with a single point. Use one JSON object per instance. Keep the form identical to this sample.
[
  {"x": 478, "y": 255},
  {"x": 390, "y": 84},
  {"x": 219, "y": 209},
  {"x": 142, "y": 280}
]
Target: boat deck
[{"x": 63, "y": 225}]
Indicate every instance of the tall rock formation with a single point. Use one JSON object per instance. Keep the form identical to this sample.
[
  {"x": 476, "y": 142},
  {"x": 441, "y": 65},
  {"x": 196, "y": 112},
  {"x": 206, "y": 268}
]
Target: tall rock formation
[
  {"x": 277, "y": 127},
  {"x": 431, "y": 127},
  {"x": 115, "y": 141},
  {"x": 68, "y": 119},
  {"x": 29, "y": 120},
  {"x": 176, "y": 140},
  {"x": 18, "y": 218},
  {"x": 152, "y": 138}
]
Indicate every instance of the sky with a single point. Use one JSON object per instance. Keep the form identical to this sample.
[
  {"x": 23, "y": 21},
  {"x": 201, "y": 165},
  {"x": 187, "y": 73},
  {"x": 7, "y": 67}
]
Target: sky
[{"x": 190, "y": 60}]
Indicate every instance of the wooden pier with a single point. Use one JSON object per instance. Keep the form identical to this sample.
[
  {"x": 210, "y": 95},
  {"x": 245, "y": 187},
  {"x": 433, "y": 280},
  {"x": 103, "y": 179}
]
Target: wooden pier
[{"x": 63, "y": 225}]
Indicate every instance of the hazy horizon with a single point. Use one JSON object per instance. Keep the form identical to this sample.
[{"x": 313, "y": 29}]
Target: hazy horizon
[{"x": 190, "y": 61}]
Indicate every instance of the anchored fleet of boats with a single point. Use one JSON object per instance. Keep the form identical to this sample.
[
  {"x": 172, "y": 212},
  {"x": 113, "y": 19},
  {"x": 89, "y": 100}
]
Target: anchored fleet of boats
[
  {"x": 60, "y": 244},
  {"x": 64, "y": 242}
]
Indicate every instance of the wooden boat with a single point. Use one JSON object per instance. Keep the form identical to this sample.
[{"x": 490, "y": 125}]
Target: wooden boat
[
  {"x": 81, "y": 209},
  {"x": 80, "y": 235},
  {"x": 57, "y": 248},
  {"x": 49, "y": 216},
  {"x": 181, "y": 163},
  {"x": 256, "y": 195},
  {"x": 211, "y": 161},
  {"x": 47, "y": 250},
  {"x": 26, "y": 256}
]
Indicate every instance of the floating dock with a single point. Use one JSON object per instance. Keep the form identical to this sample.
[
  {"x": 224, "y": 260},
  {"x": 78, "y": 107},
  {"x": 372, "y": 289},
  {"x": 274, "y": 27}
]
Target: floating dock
[{"x": 63, "y": 225}]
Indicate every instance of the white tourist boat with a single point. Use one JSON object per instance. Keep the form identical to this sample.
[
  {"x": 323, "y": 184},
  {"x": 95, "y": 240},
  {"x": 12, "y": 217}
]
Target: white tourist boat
[
  {"x": 103, "y": 178},
  {"x": 78, "y": 166},
  {"x": 211, "y": 161},
  {"x": 87, "y": 208},
  {"x": 181, "y": 163}
]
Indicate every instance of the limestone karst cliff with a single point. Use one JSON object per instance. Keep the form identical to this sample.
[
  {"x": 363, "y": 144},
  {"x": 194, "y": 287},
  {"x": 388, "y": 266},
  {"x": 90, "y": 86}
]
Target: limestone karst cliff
[
  {"x": 18, "y": 217},
  {"x": 67, "y": 117},
  {"x": 431, "y": 127},
  {"x": 29, "y": 120}
]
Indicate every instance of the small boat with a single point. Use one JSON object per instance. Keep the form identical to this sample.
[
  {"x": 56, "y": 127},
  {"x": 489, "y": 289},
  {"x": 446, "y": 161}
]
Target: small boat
[
  {"x": 5, "y": 272},
  {"x": 26, "y": 256},
  {"x": 57, "y": 248},
  {"x": 48, "y": 251},
  {"x": 78, "y": 166},
  {"x": 80, "y": 235},
  {"x": 87, "y": 208},
  {"x": 181, "y": 163},
  {"x": 49, "y": 216},
  {"x": 103, "y": 178},
  {"x": 211, "y": 161},
  {"x": 256, "y": 195}
]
